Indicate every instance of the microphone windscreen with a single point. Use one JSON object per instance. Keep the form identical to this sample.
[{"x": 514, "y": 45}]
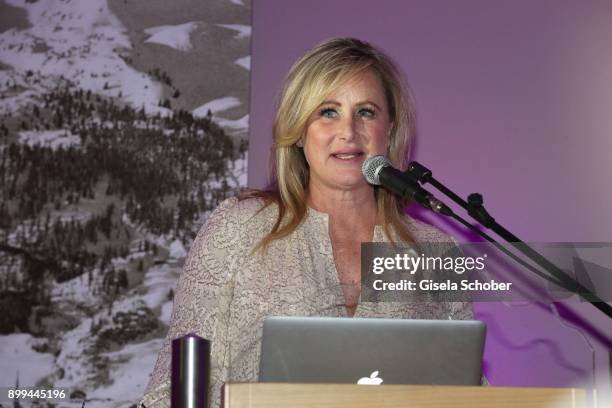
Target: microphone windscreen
[{"x": 371, "y": 168}]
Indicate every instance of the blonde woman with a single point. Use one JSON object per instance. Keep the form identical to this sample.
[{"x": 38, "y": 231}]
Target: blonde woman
[{"x": 294, "y": 249}]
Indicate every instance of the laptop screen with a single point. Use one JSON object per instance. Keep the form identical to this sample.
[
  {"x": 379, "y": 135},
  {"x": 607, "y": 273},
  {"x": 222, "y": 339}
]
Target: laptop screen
[{"x": 371, "y": 351}]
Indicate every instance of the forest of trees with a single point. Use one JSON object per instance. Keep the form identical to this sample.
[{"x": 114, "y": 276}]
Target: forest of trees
[{"x": 161, "y": 172}]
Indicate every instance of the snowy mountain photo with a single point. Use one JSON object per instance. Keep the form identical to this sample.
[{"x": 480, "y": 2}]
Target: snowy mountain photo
[{"x": 122, "y": 125}]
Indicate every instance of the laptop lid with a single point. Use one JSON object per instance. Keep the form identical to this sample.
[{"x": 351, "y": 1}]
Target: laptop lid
[{"x": 371, "y": 351}]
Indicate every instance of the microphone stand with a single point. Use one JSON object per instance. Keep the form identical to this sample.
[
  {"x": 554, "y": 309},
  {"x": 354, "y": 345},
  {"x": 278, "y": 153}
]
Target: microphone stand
[{"x": 475, "y": 208}]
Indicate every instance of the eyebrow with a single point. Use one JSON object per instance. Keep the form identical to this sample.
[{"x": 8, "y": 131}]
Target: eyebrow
[{"x": 366, "y": 102}]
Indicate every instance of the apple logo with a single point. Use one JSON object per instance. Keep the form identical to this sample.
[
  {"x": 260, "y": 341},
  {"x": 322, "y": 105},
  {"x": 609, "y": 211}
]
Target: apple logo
[{"x": 373, "y": 379}]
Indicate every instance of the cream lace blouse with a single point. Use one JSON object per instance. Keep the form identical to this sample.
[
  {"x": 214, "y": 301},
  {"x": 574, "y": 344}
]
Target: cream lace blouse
[{"x": 225, "y": 292}]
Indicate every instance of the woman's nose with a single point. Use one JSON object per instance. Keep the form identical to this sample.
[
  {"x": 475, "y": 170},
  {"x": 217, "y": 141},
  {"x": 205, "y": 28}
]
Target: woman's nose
[{"x": 348, "y": 129}]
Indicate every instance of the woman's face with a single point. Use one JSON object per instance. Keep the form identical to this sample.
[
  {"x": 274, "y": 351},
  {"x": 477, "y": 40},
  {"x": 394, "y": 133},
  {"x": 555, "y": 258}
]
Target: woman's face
[{"x": 349, "y": 126}]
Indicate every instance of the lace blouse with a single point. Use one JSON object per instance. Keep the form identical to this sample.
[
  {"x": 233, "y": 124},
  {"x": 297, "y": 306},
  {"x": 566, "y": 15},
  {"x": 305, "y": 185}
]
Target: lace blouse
[{"x": 225, "y": 291}]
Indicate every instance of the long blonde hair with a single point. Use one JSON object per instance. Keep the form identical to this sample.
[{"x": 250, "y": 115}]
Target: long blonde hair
[{"x": 311, "y": 79}]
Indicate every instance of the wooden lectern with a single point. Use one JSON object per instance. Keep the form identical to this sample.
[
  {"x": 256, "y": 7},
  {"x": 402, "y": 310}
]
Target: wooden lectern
[{"x": 287, "y": 395}]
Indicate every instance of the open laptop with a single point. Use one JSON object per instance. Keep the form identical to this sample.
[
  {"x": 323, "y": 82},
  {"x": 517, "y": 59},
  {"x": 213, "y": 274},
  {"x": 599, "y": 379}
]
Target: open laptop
[{"x": 371, "y": 351}]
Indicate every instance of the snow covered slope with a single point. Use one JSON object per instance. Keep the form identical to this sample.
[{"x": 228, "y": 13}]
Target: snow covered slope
[{"x": 80, "y": 41}]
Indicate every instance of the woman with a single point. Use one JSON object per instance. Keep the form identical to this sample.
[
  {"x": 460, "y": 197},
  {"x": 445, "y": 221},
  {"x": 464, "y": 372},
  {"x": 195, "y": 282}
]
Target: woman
[{"x": 295, "y": 248}]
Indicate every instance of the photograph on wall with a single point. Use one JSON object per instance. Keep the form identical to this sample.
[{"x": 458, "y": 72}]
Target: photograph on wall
[{"x": 123, "y": 124}]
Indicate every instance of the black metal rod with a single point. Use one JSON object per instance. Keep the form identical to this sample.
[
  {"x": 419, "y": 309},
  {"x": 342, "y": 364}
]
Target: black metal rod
[
  {"x": 477, "y": 211},
  {"x": 507, "y": 252}
]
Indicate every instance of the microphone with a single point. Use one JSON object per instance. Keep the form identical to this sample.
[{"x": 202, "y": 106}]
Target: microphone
[{"x": 378, "y": 171}]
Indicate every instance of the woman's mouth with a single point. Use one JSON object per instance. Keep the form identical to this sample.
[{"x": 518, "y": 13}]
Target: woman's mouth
[{"x": 348, "y": 156}]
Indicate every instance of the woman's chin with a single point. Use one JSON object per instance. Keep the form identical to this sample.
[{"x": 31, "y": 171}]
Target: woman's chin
[{"x": 351, "y": 183}]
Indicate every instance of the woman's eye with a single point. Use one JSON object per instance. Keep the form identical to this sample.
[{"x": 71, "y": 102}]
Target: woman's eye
[
  {"x": 328, "y": 113},
  {"x": 366, "y": 113}
]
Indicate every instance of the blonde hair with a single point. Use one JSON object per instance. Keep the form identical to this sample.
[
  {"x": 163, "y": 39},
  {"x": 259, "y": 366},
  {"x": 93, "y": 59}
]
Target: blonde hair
[{"x": 311, "y": 79}]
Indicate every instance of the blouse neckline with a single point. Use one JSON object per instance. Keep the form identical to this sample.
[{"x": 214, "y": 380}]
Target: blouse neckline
[
  {"x": 319, "y": 221},
  {"x": 323, "y": 218}
]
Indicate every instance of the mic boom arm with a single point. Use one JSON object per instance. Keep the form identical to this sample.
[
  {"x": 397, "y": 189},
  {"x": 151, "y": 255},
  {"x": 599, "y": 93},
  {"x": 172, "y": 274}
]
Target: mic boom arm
[{"x": 475, "y": 208}]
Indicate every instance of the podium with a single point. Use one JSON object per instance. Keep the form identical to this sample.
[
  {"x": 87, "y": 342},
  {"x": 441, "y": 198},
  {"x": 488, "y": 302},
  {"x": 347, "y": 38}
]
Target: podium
[{"x": 285, "y": 395}]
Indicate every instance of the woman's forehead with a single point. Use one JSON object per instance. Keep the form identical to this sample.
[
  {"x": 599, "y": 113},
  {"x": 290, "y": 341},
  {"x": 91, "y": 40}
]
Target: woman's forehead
[{"x": 361, "y": 87}]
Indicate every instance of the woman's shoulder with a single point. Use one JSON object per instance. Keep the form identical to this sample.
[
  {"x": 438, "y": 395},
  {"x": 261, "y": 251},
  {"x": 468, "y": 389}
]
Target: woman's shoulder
[
  {"x": 236, "y": 209},
  {"x": 240, "y": 219},
  {"x": 242, "y": 210}
]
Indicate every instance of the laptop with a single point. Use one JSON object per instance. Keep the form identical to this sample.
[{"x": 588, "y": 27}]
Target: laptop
[{"x": 371, "y": 351}]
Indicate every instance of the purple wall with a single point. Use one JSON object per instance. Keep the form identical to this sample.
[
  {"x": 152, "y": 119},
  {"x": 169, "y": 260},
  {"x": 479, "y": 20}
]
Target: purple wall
[{"x": 515, "y": 101}]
